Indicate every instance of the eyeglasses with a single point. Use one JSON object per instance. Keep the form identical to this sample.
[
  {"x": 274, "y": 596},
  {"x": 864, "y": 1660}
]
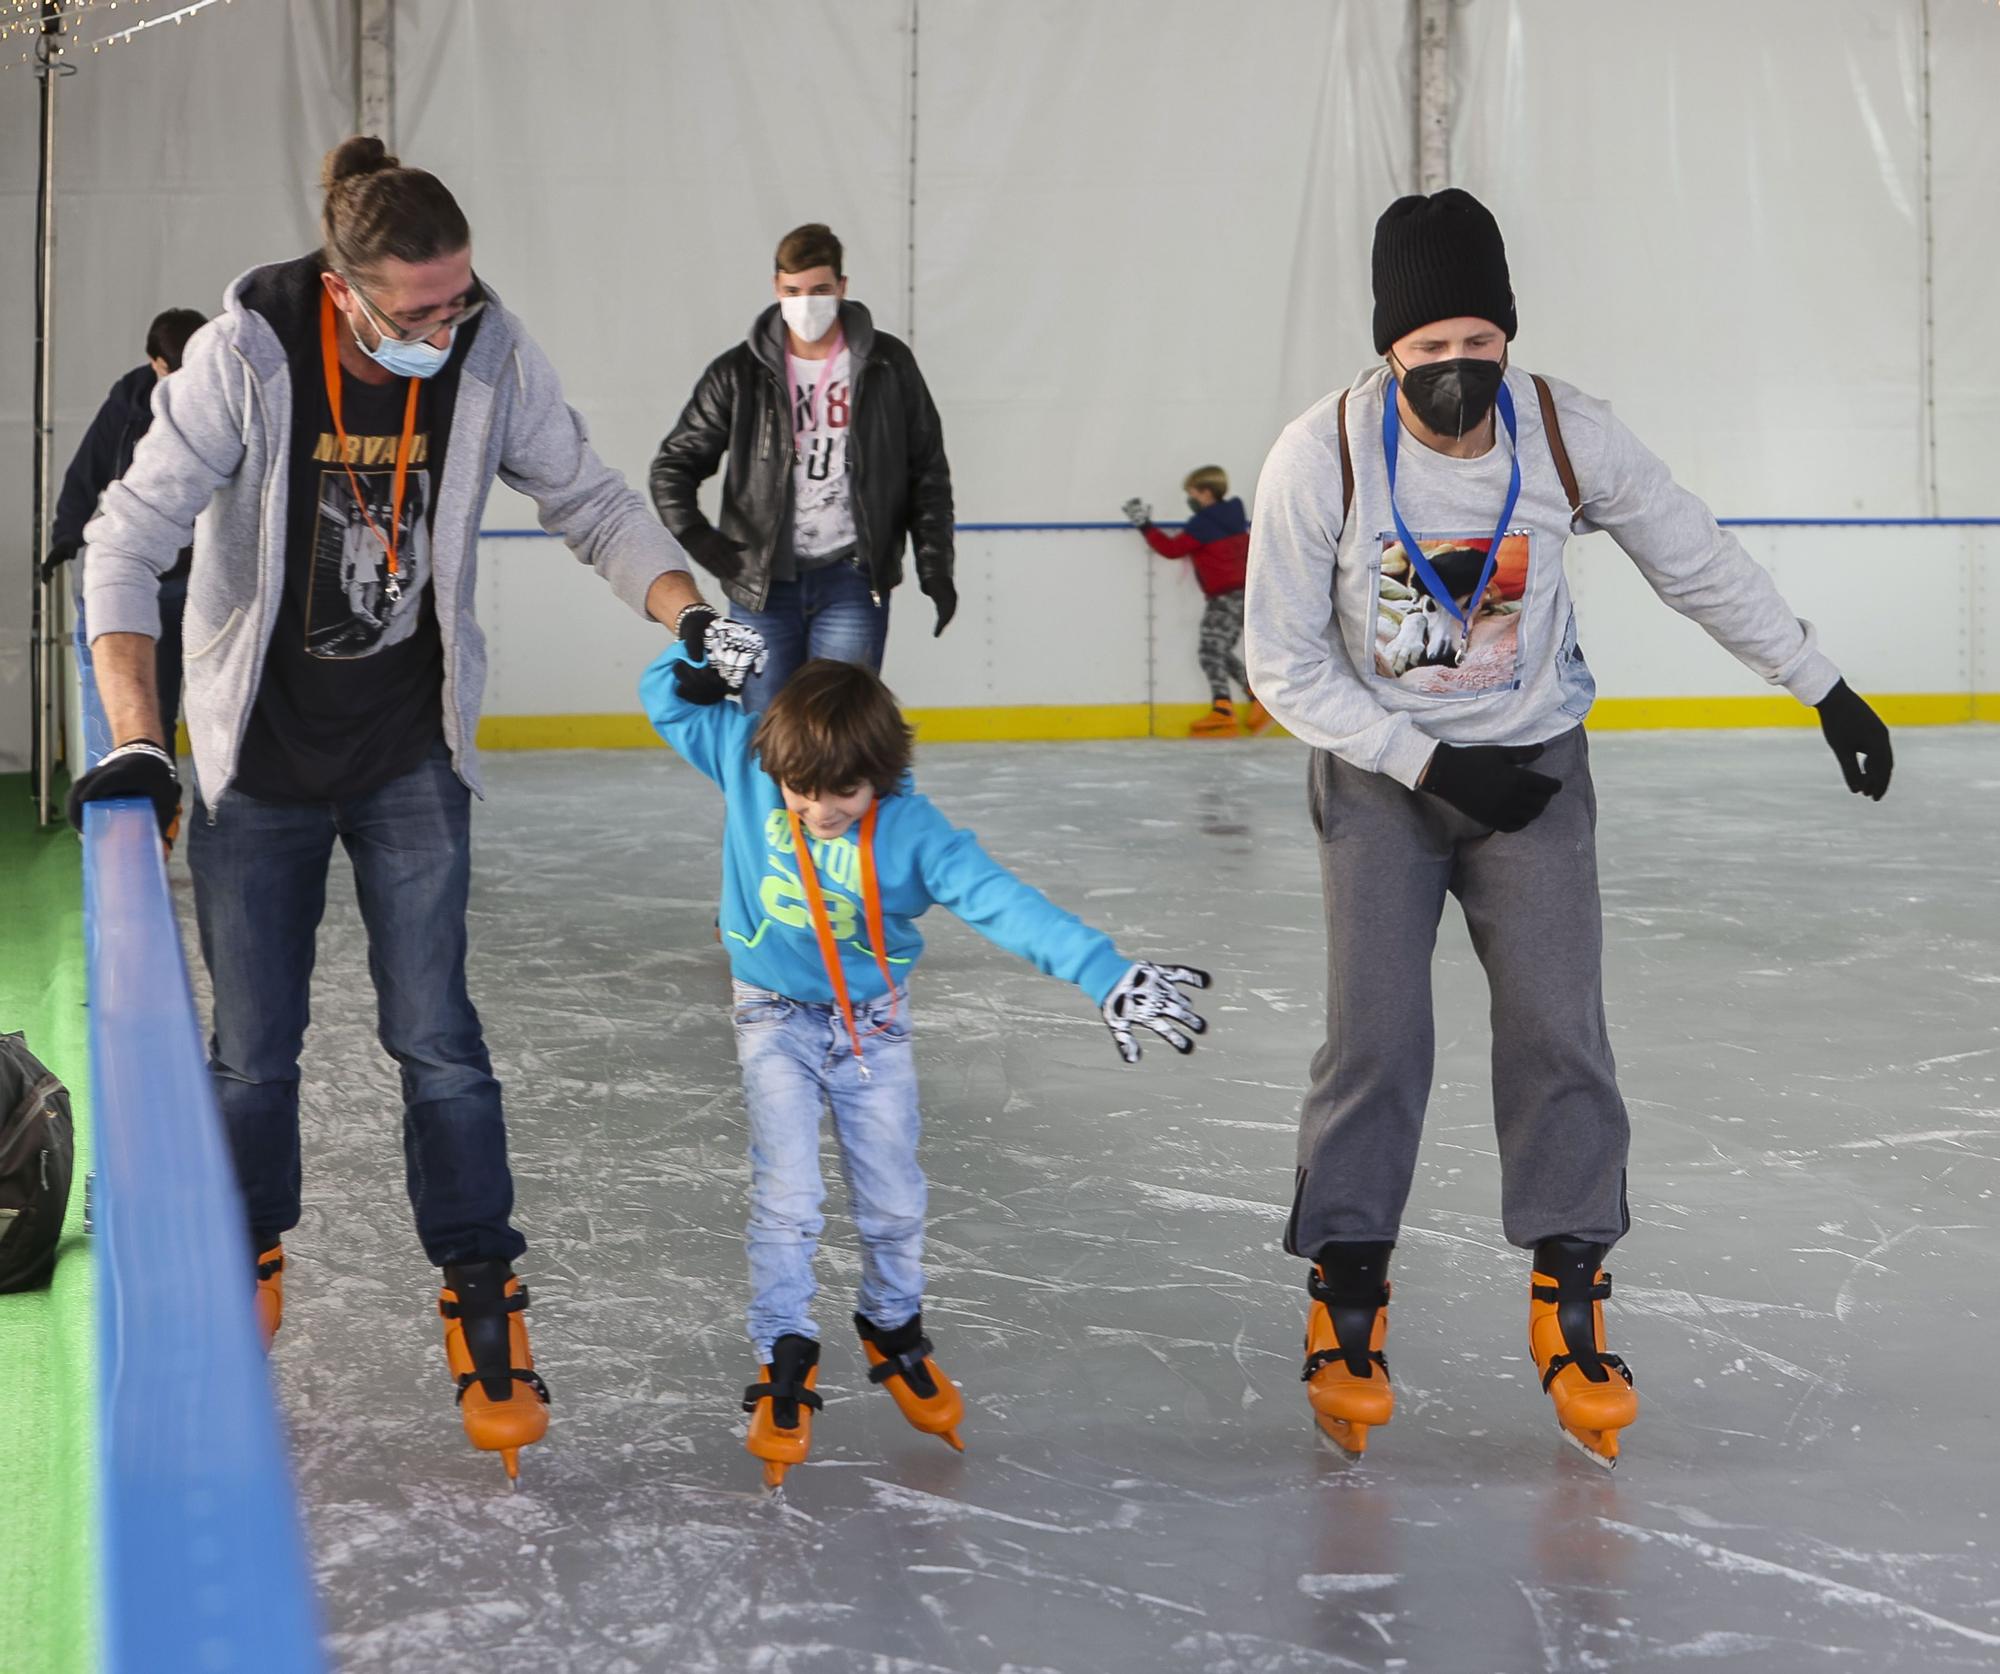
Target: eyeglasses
[{"x": 411, "y": 334}]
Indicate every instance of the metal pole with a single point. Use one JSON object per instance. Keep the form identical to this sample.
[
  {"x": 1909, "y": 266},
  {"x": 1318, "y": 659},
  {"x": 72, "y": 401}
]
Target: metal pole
[
  {"x": 375, "y": 70},
  {"x": 1433, "y": 95},
  {"x": 44, "y": 617}
]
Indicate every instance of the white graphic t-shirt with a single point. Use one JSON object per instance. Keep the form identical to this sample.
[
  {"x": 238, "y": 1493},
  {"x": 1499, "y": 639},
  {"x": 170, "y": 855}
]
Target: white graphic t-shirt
[{"x": 823, "y": 515}]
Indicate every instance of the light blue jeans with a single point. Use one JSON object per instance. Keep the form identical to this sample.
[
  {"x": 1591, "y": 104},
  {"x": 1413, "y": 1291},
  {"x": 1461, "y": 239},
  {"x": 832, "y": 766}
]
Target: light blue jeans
[{"x": 798, "y": 1063}]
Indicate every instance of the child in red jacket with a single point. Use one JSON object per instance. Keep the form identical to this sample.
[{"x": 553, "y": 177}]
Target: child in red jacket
[{"x": 1217, "y": 538}]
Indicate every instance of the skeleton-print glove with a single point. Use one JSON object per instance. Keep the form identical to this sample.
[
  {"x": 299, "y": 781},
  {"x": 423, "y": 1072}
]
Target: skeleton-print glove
[
  {"x": 1146, "y": 998},
  {"x": 1137, "y": 512},
  {"x": 731, "y": 652}
]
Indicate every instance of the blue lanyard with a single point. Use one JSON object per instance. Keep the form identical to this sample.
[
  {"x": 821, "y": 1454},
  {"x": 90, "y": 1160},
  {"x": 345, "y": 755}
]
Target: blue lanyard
[{"x": 1392, "y": 427}]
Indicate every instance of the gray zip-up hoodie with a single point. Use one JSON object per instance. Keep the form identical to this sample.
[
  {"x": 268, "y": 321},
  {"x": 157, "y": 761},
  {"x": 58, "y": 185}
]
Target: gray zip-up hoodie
[
  {"x": 216, "y": 467},
  {"x": 1333, "y": 651}
]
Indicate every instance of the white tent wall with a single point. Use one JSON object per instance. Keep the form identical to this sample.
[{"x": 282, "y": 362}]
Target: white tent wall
[
  {"x": 184, "y": 156},
  {"x": 1126, "y": 237},
  {"x": 1122, "y": 218},
  {"x": 1140, "y": 236},
  {"x": 1724, "y": 217}
]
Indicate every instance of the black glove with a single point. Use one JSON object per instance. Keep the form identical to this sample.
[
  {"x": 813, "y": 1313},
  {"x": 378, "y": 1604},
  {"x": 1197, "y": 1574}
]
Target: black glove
[
  {"x": 56, "y": 557},
  {"x": 141, "y": 768},
  {"x": 717, "y": 553},
  {"x": 1146, "y": 998},
  {"x": 1854, "y": 731},
  {"x": 699, "y": 683},
  {"x": 1489, "y": 782},
  {"x": 938, "y": 588}
]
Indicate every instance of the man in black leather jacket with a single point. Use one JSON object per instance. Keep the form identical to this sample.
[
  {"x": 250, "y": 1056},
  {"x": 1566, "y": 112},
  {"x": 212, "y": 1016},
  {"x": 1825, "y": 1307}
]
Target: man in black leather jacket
[{"x": 833, "y": 459}]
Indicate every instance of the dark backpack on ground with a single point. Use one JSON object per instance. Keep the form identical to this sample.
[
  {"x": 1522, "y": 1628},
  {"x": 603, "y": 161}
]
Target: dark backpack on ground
[{"x": 37, "y": 1158}]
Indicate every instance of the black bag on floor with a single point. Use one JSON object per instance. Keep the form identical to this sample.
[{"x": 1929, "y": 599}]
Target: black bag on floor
[{"x": 37, "y": 1158}]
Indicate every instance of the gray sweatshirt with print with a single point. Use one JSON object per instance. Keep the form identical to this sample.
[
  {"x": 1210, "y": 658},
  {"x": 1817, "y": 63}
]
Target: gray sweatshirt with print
[
  {"x": 1329, "y": 597},
  {"x": 215, "y": 467}
]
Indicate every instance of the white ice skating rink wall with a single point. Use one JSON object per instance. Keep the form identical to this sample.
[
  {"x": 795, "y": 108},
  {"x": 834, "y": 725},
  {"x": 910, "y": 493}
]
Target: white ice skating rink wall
[{"x": 1127, "y": 237}]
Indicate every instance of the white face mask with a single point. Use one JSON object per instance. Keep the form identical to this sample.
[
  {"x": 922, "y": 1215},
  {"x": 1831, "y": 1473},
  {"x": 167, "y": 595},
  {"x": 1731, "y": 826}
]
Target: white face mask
[{"x": 811, "y": 317}]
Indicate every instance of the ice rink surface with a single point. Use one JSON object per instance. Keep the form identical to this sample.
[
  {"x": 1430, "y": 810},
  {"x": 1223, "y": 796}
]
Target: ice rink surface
[{"x": 1804, "y": 993}]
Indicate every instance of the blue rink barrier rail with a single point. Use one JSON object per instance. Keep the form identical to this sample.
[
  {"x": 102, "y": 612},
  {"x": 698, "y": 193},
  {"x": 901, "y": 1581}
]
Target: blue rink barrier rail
[
  {"x": 1726, "y": 522},
  {"x": 202, "y": 1558}
]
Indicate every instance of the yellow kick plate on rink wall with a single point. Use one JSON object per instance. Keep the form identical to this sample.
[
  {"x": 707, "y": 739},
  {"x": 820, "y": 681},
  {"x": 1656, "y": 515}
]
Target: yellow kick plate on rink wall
[{"x": 1028, "y": 723}]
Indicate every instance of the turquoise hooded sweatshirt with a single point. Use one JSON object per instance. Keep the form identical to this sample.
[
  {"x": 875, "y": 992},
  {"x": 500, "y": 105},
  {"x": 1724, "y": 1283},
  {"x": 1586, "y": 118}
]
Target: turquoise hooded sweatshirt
[{"x": 921, "y": 860}]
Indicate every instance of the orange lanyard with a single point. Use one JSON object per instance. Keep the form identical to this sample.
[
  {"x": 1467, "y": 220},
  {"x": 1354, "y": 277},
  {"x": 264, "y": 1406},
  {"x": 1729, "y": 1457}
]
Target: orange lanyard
[
  {"x": 871, "y": 906},
  {"x": 329, "y": 343}
]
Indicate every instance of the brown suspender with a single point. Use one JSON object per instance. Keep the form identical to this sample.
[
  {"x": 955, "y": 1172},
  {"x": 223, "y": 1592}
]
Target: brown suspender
[
  {"x": 1346, "y": 464},
  {"x": 1551, "y": 428}
]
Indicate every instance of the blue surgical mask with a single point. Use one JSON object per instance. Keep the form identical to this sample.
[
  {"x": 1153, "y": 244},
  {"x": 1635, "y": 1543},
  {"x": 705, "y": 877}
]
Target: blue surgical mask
[{"x": 410, "y": 360}]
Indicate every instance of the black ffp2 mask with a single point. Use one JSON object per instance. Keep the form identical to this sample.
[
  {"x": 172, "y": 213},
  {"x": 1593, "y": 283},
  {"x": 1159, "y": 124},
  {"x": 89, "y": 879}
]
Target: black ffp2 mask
[{"x": 1452, "y": 397}]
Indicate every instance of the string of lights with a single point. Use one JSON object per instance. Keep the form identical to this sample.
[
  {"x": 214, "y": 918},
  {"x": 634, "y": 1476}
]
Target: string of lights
[{"x": 23, "y": 26}]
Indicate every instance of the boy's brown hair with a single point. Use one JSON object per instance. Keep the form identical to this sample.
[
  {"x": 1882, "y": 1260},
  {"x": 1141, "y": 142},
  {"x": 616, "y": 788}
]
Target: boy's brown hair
[
  {"x": 807, "y": 247},
  {"x": 1211, "y": 477},
  {"x": 832, "y": 728}
]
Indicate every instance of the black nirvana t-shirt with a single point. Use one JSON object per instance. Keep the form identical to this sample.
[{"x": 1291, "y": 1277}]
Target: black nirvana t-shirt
[{"x": 352, "y": 693}]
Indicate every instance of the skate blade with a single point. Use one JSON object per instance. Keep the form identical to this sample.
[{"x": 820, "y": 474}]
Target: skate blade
[
  {"x": 951, "y": 1436},
  {"x": 511, "y": 1458},
  {"x": 1349, "y": 1437},
  {"x": 774, "y": 1474},
  {"x": 1600, "y": 1447}
]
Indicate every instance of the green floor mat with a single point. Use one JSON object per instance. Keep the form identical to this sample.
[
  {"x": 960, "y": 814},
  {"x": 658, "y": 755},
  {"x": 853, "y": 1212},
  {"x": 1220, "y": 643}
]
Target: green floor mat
[{"x": 48, "y": 1337}]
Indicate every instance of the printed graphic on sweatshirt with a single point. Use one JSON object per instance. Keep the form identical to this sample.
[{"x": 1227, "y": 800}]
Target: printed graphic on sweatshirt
[
  {"x": 1420, "y": 646},
  {"x": 351, "y": 608},
  {"x": 782, "y": 893},
  {"x": 822, "y": 404}
]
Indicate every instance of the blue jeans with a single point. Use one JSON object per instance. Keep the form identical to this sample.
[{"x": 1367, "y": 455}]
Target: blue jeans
[
  {"x": 260, "y": 873},
  {"x": 829, "y": 612},
  {"x": 797, "y": 1064}
]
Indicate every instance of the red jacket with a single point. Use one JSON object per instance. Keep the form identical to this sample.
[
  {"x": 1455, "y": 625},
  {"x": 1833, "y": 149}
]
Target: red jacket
[{"x": 1217, "y": 538}]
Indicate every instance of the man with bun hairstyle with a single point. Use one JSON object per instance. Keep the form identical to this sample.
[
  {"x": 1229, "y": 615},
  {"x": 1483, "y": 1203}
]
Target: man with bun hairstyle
[
  {"x": 339, "y": 427},
  {"x": 833, "y": 463},
  {"x": 1408, "y": 617}
]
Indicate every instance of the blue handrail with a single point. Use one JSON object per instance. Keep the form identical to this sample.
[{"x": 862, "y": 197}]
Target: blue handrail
[
  {"x": 202, "y": 1556},
  {"x": 1726, "y": 522}
]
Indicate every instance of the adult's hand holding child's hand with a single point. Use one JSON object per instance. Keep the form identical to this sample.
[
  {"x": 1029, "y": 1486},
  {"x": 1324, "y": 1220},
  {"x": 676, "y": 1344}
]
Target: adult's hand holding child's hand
[{"x": 729, "y": 654}]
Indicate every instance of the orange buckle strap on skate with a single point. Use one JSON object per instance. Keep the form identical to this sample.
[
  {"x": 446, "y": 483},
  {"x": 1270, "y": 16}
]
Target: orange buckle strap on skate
[
  {"x": 1575, "y": 1317},
  {"x": 329, "y": 342},
  {"x": 1353, "y": 1325},
  {"x": 871, "y": 907}
]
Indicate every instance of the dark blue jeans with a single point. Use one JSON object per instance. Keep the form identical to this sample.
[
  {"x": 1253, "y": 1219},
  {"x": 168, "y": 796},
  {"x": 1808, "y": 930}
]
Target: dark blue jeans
[
  {"x": 824, "y": 613},
  {"x": 260, "y": 874}
]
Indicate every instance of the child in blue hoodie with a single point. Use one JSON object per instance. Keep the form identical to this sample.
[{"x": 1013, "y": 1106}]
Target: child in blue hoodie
[{"x": 829, "y": 858}]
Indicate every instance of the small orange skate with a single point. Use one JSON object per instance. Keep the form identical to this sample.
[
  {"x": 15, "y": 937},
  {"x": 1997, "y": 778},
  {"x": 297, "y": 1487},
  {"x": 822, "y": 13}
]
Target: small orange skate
[{"x": 900, "y": 1361}]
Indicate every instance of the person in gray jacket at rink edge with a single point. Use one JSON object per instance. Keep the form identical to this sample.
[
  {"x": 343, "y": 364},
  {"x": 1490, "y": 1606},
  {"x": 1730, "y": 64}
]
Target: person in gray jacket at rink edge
[
  {"x": 1408, "y": 617},
  {"x": 337, "y": 430}
]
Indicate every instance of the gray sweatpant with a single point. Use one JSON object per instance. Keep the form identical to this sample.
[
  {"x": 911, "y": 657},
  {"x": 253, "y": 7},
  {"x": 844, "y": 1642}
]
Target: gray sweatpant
[{"x": 1388, "y": 857}]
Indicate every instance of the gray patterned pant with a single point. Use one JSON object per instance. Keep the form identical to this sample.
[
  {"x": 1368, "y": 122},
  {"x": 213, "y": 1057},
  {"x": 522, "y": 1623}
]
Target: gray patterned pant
[{"x": 1221, "y": 639}]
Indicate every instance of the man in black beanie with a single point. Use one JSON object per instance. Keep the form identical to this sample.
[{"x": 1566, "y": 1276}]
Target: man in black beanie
[{"x": 1436, "y": 672}]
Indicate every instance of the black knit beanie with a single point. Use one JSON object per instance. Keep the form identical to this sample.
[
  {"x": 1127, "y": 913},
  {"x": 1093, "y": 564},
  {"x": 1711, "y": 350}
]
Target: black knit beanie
[{"x": 1438, "y": 258}]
